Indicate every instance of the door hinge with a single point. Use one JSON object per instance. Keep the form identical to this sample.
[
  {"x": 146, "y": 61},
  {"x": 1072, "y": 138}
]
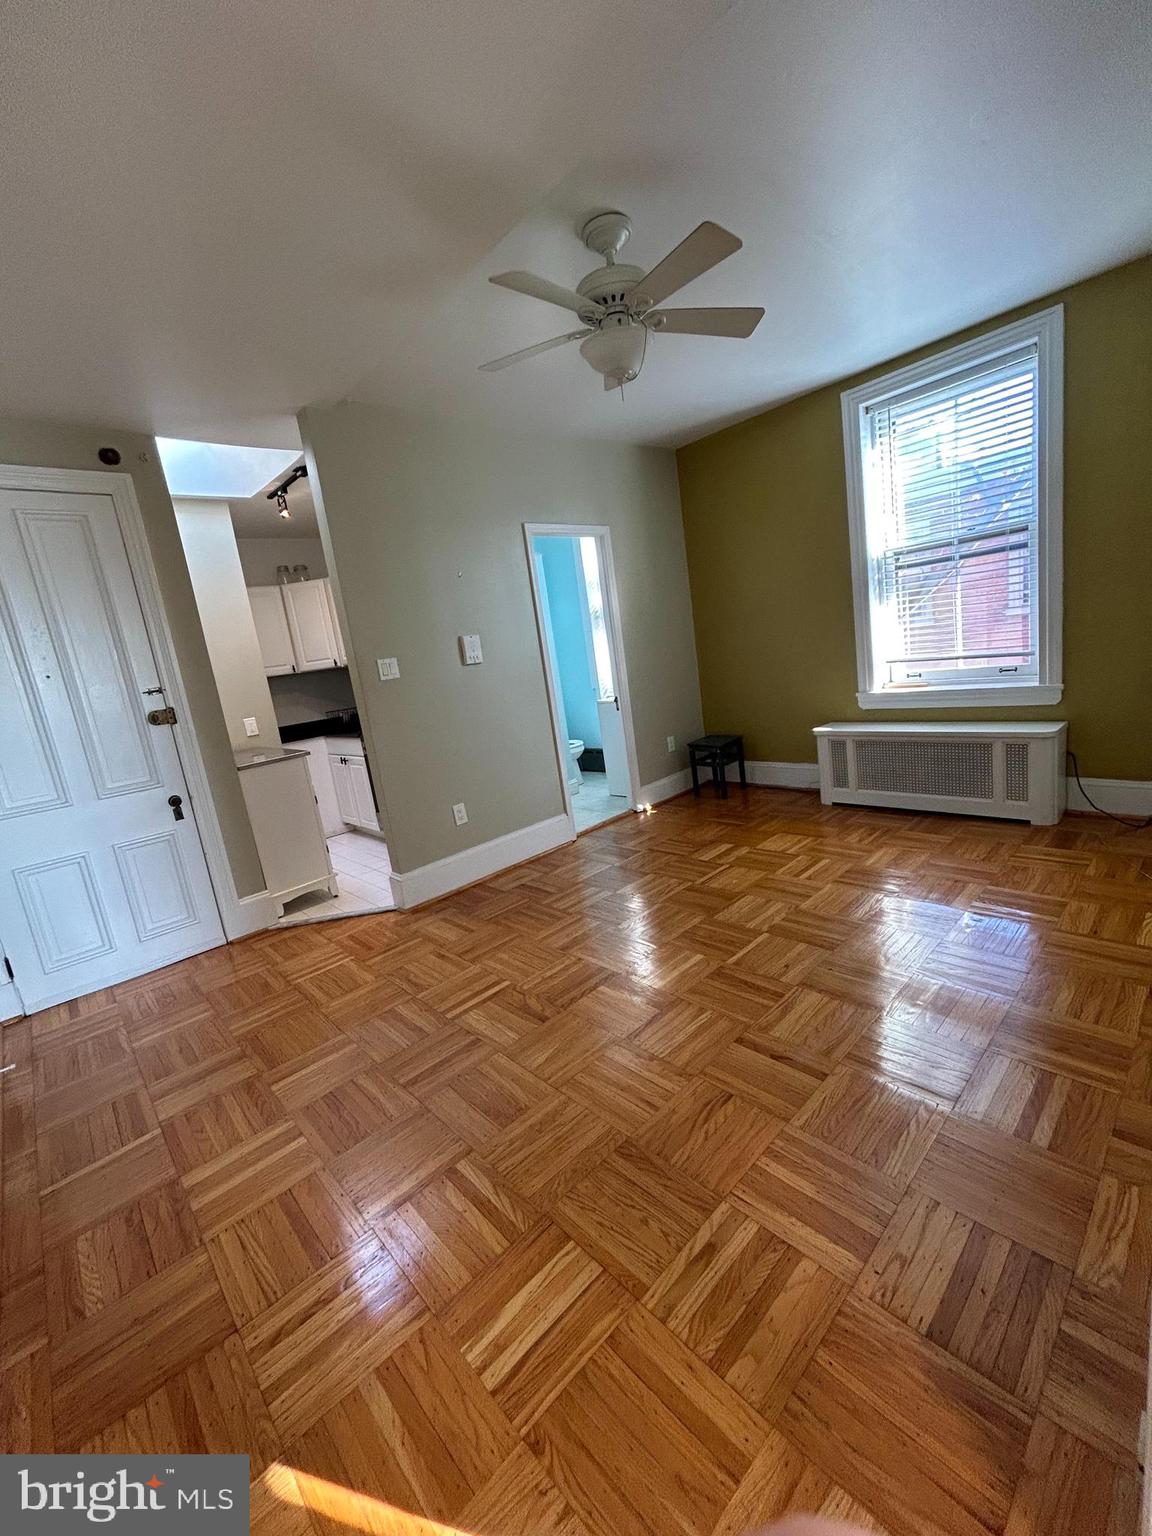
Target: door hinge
[
  {"x": 8, "y": 968},
  {"x": 166, "y": 716}
]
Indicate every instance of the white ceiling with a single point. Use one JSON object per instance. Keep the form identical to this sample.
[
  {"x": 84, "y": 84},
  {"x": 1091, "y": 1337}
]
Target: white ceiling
[
  {"x": 258, "y": 518},
  {"x": 216, "y": 214}
]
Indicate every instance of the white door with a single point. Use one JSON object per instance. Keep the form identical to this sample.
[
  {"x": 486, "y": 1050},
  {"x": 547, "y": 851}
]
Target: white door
[
  {"x": 310, "y": 622},
  {"x": 271, "y": 622},
  {"x": 612, "y": 741},
  {"x": 99, "y": 879}
]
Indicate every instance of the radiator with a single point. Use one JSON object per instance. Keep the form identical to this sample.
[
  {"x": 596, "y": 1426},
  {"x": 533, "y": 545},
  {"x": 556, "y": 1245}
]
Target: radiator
[{"x": 993, "y": 769}]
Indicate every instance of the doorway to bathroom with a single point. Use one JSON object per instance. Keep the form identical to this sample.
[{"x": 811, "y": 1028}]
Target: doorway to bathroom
[{"x": 577, "y": 614}]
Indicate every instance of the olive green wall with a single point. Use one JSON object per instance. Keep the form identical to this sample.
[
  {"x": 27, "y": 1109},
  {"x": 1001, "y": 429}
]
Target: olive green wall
[
  {"x": 58, "y": 445},
  {"x": 766, "y": 525}
]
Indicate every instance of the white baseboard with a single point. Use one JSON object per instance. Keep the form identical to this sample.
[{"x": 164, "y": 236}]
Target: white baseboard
[
  {"x": 1122, "y": 797},
  {"x": 664, "y": 789},
  {"x": 773, "y": 775},
  {"x": 417, "y": 886}
]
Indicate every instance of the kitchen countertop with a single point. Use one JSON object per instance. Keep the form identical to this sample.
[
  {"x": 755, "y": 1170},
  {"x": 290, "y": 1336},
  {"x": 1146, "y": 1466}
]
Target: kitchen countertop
[
  {"x": 345, "y": 724},
  {"x": 256, "y": 757}
]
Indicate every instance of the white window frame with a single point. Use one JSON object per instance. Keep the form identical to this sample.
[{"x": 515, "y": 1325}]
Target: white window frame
[{"x": 1046, "y": 329}]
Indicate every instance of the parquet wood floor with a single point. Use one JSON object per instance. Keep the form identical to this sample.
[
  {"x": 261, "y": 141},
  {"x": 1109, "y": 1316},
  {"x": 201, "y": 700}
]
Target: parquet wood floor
[{"x": 745, "y": 1158}]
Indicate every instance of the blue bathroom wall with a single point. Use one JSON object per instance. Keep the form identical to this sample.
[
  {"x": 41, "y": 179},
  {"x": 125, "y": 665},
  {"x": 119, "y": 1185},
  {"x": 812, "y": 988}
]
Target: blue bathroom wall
[{"x": 567, "y": 599}]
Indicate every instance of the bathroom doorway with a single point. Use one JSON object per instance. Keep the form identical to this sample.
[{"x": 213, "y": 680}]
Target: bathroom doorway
[{"x": 577, "y": 615}]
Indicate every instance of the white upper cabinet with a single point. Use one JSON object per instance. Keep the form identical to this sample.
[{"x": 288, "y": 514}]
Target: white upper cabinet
[
  {"x": 341, "y": 652},
  {"x": 310, "y": 623},
  {"x": 297, "y": 628},
  {"x": 272, "y": 630}
]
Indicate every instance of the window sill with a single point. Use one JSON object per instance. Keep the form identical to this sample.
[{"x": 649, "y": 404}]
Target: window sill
[{"x": 977, "y": 697}]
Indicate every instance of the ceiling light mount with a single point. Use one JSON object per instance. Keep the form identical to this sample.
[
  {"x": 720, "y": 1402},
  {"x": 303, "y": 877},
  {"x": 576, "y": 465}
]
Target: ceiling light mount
[{"x": 606, "y": 234}]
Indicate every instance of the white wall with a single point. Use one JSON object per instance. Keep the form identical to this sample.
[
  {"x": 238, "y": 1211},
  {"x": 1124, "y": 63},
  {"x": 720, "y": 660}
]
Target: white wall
[
  {"x": 260, "y": 557},
  {"x": 229, "y": 631}
]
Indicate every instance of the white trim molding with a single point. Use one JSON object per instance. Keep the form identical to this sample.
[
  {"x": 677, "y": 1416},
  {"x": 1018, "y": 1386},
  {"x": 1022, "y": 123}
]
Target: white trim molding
[
  {"x": 613, "y": 624},
  {"x": 1119, "y": 797},
  {"x": 665, "y": 788},
  {"x": 1045, "y": 329},
  {"x": 429, "y": 881}
]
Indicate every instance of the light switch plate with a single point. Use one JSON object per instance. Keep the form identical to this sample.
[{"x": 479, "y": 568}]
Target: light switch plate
[
  {"x": 388, "y": 668},
  {"x": 671, "y": 743},
  {"x": 470, "y": 652},
  {"x": 250, "y": 726}
]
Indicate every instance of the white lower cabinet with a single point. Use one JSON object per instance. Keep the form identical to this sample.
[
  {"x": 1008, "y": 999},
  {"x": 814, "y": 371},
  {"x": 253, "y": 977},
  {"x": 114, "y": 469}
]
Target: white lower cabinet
[{"x": 353, "y": 789}]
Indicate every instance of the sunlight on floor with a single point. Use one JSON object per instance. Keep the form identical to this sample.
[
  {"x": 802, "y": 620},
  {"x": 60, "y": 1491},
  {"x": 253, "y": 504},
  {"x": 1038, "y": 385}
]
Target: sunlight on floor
[{"x": 358, "y": 1511}]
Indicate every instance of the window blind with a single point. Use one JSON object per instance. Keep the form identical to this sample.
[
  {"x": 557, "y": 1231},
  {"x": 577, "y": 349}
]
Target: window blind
[{"x": 951, "y": 499}]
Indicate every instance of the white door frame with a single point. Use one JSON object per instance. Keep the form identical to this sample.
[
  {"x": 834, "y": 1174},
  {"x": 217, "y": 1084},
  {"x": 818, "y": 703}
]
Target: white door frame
[
  {"x": 603, "y": 536},
  {"x": 239, "y": 915}
]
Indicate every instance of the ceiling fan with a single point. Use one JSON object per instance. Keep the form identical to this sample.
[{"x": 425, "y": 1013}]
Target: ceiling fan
[{"x": 617, "y": 302}]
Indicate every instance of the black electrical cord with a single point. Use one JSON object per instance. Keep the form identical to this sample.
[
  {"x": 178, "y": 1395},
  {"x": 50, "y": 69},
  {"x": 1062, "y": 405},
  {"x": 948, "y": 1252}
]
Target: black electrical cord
[{"x": 1133, "y": 826}]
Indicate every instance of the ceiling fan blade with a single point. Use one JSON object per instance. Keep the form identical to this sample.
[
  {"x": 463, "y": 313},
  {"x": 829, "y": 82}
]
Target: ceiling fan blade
[
  {"x": 704, "y": 248},
  {"x": 552, "y": 293},
  {"x": 541, "y": 346},
  {"x": 705, "y": 322}
]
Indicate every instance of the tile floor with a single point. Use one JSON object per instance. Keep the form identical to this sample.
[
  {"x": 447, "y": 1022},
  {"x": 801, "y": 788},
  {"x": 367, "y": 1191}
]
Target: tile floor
[
  {"x": 594, "y": 804},
  {"x": 361, "y": 865}
]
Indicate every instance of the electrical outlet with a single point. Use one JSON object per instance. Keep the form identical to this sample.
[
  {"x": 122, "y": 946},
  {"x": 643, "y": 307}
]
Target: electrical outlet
[
  {"x": 460, "y": 814},
  {"x": 250, "y": 726},
  {"x": 671, "y": 743},
  {"x": 471, "y": 653},
  {"x": 388, "y": 668}
]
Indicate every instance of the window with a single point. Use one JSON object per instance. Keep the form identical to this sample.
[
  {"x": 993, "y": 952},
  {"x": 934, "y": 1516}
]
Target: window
[{"x": 954, "y": 479}]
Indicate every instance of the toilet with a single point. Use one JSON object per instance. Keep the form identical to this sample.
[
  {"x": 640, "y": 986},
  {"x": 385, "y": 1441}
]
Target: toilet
[{"x": 575, "y": 777}]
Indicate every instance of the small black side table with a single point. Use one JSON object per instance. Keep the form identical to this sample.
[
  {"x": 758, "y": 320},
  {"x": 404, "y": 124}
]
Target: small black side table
[{"x": 715, "y": 752}]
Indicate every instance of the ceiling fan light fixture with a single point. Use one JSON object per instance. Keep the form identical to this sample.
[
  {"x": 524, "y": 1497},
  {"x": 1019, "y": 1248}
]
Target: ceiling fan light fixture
[{"x": 616, "y": 350}]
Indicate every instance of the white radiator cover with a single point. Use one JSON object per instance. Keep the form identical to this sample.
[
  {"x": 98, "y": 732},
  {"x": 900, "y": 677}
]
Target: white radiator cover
[{"x": 991, "y": 768}]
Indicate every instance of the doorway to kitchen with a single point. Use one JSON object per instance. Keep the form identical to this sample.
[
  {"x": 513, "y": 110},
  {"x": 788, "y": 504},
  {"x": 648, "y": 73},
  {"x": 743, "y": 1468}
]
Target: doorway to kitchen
[
  {"x": 272, "y": 629},
  {"x": 577, "y": 613}
]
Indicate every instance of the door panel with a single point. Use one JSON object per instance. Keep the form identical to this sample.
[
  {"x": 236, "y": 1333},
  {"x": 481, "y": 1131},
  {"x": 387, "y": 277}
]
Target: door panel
[
  {"x": 31, "y": 778},
  {"x": 156, "y": 884},
  {"x": 91, "y": 647},
  {"x": 98, "y": 881},
  {"x": 65, "y": 910}
]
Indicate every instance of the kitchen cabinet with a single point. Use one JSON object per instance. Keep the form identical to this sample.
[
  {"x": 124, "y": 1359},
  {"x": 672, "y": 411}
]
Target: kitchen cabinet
[
  {"x": 297, "y": 627},
  {"x": 282, "y": 809},
  {"x": 353, "y": 789},
  {"x": 309, "y": 612},
  {"x": 272, "y": 630},
  {"x": 341, "y": 651}
]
